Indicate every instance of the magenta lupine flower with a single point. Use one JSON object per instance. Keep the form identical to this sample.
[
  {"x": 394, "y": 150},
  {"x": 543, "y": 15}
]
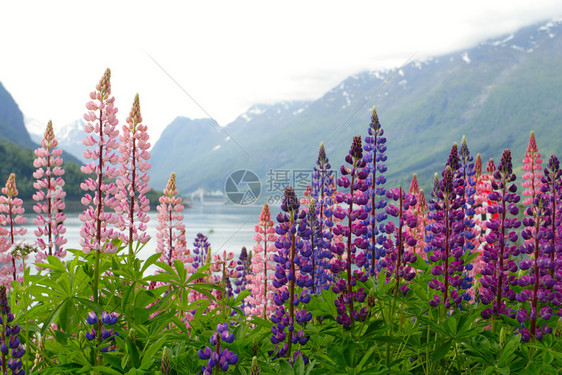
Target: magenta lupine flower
[
  {"x": 446, "y": 245},
  {"x": 398, "y": 257},
  {"x": 170, "y": 239},
  {"x": 497, "y": 252},
  {"x": 539, "y": 293},
  {"x": 532, "y": 165},
  {"x": 375, "y": 158},
  {"x": 98, "y": 219},
  {"x": 11, "y": 221},
  {"x": 133, "y": 178},
  {"x": 225, "y": 266},
  {"x": 351, "y": 233},
  {"x": 260, "y": 300},
  {"x": 292, "y": 270},
  {"x": 50, "y": 197}
]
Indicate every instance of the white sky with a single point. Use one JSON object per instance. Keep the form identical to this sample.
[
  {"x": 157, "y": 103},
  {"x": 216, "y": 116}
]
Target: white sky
[{"x": 227, "y": 55}]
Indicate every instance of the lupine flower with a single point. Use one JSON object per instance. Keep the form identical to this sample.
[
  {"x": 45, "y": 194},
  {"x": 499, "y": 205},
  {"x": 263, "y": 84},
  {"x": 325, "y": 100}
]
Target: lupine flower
[
  {"x": 105, "y": 335},
  {"x": 321, "y": 254},
  {"x": 170, "y": 239},
  {"x": 165, "y": 364},
  {"x": 201, "y": 247},
  {"x": 375, "y": 158},
  {"x": 50, "y": 197},
  {"x": 96, "y": 232},
  {"x": 244, "y": 269},
  {"x": 219, "y": 358},
  {"x": 532, "y": 165},
  {"x": 552, "y": 189},
  {"x": 255, "y": 369},
  {"x": 497, "y": 252},
  {"x": 11, "y": 221},
  {"x": 260, "y": 280},
  {"x": 539, "y": 291},
  {"x": 419, "y": 211},
  {"x": 323, "y": 193},
  {"x": 352, "y": 235},
  {"x": 226, "y": 267},
  {"x": 447, "y": 240},
  {"x": 10, "y": 345},
  {"x": 292, "y": 270},
  {"x": 133, "y": 179},
  {"x": 397, "y": 256}
]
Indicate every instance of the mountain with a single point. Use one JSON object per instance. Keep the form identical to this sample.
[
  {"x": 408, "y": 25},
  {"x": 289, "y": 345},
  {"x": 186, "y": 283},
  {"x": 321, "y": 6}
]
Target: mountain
[
  {"x": 494, "y": 93},
  {"x": 12, "y": 127}
]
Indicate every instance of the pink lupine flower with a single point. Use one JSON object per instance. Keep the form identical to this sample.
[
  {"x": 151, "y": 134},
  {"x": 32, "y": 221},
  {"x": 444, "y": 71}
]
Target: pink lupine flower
[
  {"x": 532, "y": 167},
  {"x": 133, "y": 179},
  {"x": 50, "y": 197},
  {"x": 419, "y": 211},
  {"x": 226, "y": 267},
  {"x": 96, "y": 231},
  {"x": 11, "y": 220},
  {"x": 260, "y": 281},
  {"x": 170, "y": 239}
]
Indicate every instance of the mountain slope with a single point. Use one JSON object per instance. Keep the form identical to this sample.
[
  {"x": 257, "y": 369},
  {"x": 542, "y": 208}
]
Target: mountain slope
[{"x": 494, "y": 93}]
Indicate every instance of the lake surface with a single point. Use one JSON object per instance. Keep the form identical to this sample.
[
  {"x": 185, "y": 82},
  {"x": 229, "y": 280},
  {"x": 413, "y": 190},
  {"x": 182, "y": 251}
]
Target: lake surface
[{"x": 228, "y": 227}]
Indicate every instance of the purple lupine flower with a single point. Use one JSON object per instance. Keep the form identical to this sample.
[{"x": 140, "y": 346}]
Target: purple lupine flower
[
  {"x": 497, "y": 252},
  {"x": 105, "y": 335},
  {"x": 244, "y": 269},
  {"x": 323, "y": 190},
  {"x": 201, "y": 248},
  {"x": 375, "y": 147},
  {"x": 538, "y": 293},
  {"x": 10, "y": 346},
  {"x": 219, "y": 358},
  {"x": 398, "y": 256},
  {"x": 552, "y": 189},
  {"x": 352, "y": 236},
  {"x": 292, "y": 270},
  {"x": 447, "y": 239}
]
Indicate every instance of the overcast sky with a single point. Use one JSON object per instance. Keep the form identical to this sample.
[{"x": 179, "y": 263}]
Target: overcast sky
[{"x": 227, "y": 55}]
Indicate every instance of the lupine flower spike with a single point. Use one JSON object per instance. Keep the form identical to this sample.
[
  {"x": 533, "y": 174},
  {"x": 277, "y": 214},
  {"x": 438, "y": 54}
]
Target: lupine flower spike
[
  {"x": 375, "y": 158},
  {"x": 10, "y": 345},
  {"x": 532, "y": 165},
  {"x": 50, "y": 197},
  {"x": 352, "y": 235},
  {"x": 292, "y": 271},
  {"x": 133, "y": 178},
  {"x": 498, "y": 263},
  {"x": 263, "y": 267},
  {"x": 98, "y": 219},
  {"x": 218, "y": 358},
  {"x": 171, "y": 230},
  {"x": 11, "y": 219}
]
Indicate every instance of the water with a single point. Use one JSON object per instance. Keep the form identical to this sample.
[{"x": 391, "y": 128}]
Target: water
[{"x": 228, "y": 227}]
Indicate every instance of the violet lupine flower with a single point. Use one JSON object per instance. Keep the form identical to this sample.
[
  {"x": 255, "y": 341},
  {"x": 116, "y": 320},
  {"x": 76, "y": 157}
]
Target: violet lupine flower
[
  {"x": 165, "y": 367},
  {"x": 98, "y": 220},
  {"x": 218, "y": 357},
  {"x": 497, "y": 252},
  {"x": 11, "y": 221},
  {"x": 133, "y": 179},
  {"x": 201, "y": 247},
  {"x": 50, "y": 197},
  {"x": 10, "y": 345},
  {"x": 532, "y": 165},
  {"x": 292, "y": 270},
  {"x": 244, "y": 269},
  {"x": 352, "y": 234},
  {"x": 447, "y": 240},
  {"x": 323, "y": 191},
  {"x": 552, "y": 190},
  {"x": 170, "y": 239},
  {"x": 375, "y": 147},
  {"x": 397, "y": 256},
  {"x": 105, "y": 336},
  {"x": 538, "y": 294},
  {"x": 260, "y": 280}
]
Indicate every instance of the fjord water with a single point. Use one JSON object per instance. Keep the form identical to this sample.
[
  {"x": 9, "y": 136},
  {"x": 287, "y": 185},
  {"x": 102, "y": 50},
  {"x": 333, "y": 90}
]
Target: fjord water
[{"x": 229, "y": 227}]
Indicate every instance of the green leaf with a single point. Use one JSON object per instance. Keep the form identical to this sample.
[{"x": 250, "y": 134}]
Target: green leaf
[
  {"x": 285, "y": 367},
  {"x": 299, "y": 366},
  {"x": 148, "y": 354},
  {"x": 439, "y": 353},
  {"x": 150, "y": 261}
]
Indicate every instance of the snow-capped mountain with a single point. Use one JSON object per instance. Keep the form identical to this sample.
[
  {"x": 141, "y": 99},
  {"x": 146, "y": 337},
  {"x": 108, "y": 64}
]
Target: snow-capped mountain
[{"x": 69, "y": 136}]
